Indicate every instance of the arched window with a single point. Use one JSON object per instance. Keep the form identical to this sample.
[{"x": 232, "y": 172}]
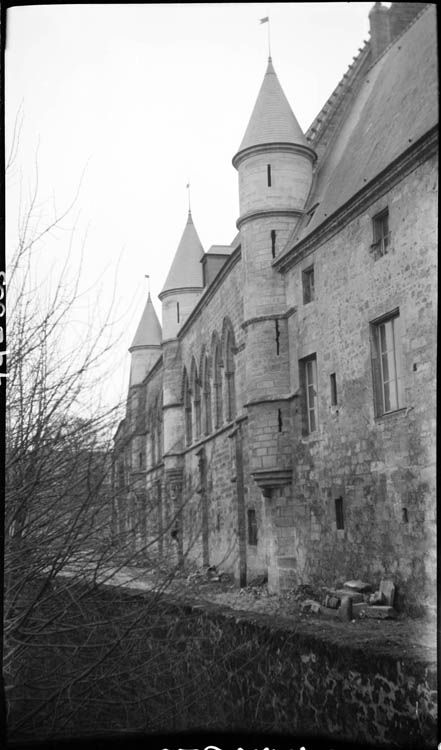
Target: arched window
[
  {"x": 197, "y": 405},
  {"x": 187, "y": 410},
  {"x": 217, "y": 382},
  {"x": 208, "y": 425},
  {"x": 159, "y": 431},
  {"x": 229, "y": 377},
  {"x": 153, "y": 435}
]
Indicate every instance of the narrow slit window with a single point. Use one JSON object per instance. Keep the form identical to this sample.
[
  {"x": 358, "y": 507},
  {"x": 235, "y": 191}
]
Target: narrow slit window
[
  {"x": 339, "y": 518},
  {"x": 177, "y": 311},
  {"x": 333, "y": 379},
  {"x": 273, "y": 243},
  {"x": 280, "y": 420},
  {"x": 277, "y": 338},
  {"x": 252, "y": 527},
  {"x": 268, "y": 174}
]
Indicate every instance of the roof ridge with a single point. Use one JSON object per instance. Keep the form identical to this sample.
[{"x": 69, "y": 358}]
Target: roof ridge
[{"x": 330, "y": 108}]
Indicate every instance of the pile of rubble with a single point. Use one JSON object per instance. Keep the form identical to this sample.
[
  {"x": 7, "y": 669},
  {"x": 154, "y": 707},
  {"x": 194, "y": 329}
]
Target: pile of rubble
[
  {"x": 355, "y": 600},
  {"x": 209, "y": 574}
]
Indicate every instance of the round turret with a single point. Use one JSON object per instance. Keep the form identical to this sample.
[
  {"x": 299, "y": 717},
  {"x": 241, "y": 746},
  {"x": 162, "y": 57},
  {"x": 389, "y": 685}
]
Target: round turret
[
  {"x": 274, "y": 160},
  {"x": 184, "y": 284},
  {"x": 146, "y": 345}
]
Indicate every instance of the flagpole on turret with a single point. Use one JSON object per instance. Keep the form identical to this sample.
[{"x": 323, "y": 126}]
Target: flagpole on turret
[
  {"x": 267, "y": 20},
  {"x": 189, "y": 202},
  {"x": 148, "y": 282}
]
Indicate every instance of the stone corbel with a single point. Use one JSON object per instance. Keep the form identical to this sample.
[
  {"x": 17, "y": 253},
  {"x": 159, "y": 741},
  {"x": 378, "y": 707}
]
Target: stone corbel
[{"x": 271, "y": 479}]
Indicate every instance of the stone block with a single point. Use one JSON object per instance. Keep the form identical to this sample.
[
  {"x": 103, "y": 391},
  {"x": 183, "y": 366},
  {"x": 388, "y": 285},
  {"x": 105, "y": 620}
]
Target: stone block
[
  {"x": 345, "y": 608},
  {"x": 377, "y": 598},
  {"x": 331, "y": 614},
  {"x": 387, "y": 591},
  {"x": 380, "y": 612},
  {"x": 359, "y": 610},
  {"x": 358, "y": 585},
  {"x": 356, "y": 596}
]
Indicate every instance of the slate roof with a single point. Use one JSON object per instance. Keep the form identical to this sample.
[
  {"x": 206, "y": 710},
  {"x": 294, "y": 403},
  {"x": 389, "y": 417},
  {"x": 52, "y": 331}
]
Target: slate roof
[
  {"x": 149, "y": 332},
  {"x": 397, "y": 104},
  {"x": 186, "y": 269},
  {"x": 272, "y": 119}
]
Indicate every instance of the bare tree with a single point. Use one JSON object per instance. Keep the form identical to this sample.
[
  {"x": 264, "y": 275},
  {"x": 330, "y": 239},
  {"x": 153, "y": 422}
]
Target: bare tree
[{"x": 67, "y": 642}]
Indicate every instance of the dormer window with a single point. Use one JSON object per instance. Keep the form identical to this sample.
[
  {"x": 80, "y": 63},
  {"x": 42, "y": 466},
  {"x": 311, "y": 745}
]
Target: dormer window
[{"x": 381, "y": 234}]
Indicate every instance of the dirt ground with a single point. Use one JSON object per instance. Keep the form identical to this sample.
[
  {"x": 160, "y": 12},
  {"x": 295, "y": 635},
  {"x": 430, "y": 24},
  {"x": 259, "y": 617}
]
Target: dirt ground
[{"x": 406, "y": 636}]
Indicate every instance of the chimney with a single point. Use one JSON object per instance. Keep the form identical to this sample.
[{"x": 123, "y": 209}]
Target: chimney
[
  {"x": 401, "y": 14},
  {"x": 380, "y": 29}
]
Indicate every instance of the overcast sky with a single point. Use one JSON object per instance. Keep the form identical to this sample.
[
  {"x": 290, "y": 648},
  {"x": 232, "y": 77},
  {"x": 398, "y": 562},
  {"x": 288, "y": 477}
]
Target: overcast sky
[{"x": 136, "y": 100}]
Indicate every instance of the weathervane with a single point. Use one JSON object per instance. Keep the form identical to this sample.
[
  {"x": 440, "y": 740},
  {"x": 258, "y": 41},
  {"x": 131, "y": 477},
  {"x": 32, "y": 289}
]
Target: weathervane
[
  {"x": 267, "y": 20},
  {"x": 148, "y": 282}
]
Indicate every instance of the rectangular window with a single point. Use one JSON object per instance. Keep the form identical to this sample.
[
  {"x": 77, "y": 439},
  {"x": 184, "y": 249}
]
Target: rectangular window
[
  {"x": 333, "y": 380},
  {"x": 380, "y": 227},
  {"x": 386, "y": 364},
  {"x": 308, "y": 380},
  {"x": 308, "y": 285},
  {"x": 252, "y": 527},
  {"x": 268, "y": 174},
  {"x": 177, "y": 311},
  {"x": 339, "y": 518}
]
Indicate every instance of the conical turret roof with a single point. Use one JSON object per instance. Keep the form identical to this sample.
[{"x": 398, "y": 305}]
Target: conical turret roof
[
  {"x": 149, "y": 331},
  {"x": 272, "y": 119},
  {"x": 186, "y": 269}
]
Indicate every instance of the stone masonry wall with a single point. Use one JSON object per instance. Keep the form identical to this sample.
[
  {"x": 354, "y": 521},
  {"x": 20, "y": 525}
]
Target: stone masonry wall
[
  {"x": 250, "y": 673},
  {"x": 382, "y": 467},
  {"x": 219, "y": 446}
]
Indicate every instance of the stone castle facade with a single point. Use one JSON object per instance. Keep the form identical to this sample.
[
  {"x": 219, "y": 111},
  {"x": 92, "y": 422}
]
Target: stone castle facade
[{"x": 281, "y": 421}]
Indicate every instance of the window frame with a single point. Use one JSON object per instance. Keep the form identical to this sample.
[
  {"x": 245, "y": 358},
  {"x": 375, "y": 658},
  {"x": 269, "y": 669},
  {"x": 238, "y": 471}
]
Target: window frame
[
  {"x": 308, "y": 366},
  {"x": 308, "y": 288},
  {"x": 187, "y": 411},
  {"x": 217, "y": 387},
  {"x": 387, "y": 364},
  {"x": 230, "y": 378},
  {"x": 381, "y": 239}
]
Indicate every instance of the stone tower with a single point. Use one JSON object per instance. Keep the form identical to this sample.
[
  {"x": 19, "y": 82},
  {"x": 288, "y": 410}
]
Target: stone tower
[
  {"x": 146, "y": 346},
  {"x": 179, "y": 296},
  {"x": 184, "y": 284},
  {"x": 275, "y": 167}
]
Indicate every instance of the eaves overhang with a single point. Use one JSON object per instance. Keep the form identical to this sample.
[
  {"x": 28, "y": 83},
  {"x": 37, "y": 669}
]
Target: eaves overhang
[
  {"x": 145, "y": 346},
  {"x": 416, "y": 154},
  {"x": 264, "y": 148},
  {"x": 268, "y": 213},
  {"x": 180, "y": 290}
]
